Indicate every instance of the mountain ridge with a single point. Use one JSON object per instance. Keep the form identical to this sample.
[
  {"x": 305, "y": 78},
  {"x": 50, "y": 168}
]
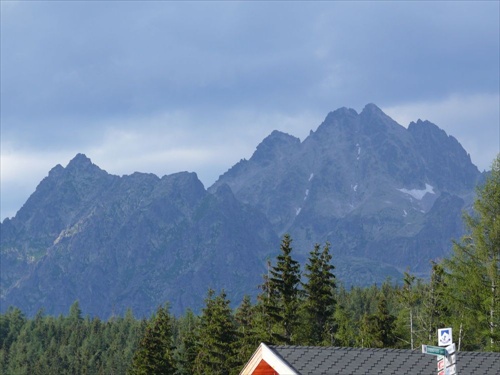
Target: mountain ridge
[{"x": 386, "y": 197}]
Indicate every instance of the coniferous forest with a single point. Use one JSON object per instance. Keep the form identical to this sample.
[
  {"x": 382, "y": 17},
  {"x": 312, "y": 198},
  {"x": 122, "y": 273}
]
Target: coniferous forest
[{"x": 296, "y": 306}]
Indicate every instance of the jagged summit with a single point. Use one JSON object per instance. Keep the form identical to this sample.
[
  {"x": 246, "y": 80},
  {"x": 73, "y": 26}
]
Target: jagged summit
[
  {"x": 371, "y": 114},
  {"x": 425, "y": 126},
  {"x": 79, "y": 159},
  {"x": 339, "y": 114},
  {"x": 275, "y": 145},
  {"x": 369, "y": 121},
  {"x": 82, "y": 165},
  {"x": 278, "y": 139},
  {"x": 372, "y": 108},
  {"x": 56, "y": 171}
]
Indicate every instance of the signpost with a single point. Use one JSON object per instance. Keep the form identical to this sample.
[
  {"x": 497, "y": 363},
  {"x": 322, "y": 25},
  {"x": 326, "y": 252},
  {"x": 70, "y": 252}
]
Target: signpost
[
  {"x": 446, "y": 357},
  {"x": 434, "y": 350}
]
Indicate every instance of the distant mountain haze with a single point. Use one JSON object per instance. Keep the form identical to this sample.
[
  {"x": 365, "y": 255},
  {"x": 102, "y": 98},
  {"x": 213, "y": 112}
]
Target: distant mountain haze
[{"x": 387, "y": 198}]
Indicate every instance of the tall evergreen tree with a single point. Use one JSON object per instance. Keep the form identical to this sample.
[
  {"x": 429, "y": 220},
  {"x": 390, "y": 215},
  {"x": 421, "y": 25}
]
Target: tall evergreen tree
[
  {"x": 217, "y": 337},
  {"x": 248, "y": 338},
  {"x": 385, "y": 322},
  {"x": 377, "y": 330},
  {"x": 368, "y": 334},
  {"x": 283, "y": 294},
  {"x": 473, "y": 270},
  {"x": 155, "y": 352},
  {"x": 187, "y": 343},
  {"x": 345, "y": 332},
  {"x": 319, "y": 291},
  {"x": 262, "y": 322}
]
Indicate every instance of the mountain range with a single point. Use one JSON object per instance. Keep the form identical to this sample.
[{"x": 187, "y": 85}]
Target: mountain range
[{"x": 387, "y": 198}]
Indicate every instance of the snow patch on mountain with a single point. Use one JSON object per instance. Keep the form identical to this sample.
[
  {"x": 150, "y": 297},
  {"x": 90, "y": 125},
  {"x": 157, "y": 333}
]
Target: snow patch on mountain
[{"x": 418, "y": 194}]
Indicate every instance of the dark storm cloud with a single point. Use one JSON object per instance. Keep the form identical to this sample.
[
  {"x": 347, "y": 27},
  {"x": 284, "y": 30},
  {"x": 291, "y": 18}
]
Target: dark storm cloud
[{"x": 101, "y": 58}]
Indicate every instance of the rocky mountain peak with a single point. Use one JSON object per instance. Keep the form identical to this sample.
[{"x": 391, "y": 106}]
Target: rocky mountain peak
[
  {"x": 81, "y": 167},
  {"x": 56, "y": 171},
  {"x": 339, "y": 115},
  {"x": 375, "y": 120},
  {"x": 81, "y": 158},
  {"x": 274, "y": 146},
  {"x": 372, "y": 109},
  {"x": 345, "y": 122},
  {"x": 183, "y": 178},
  {"x": 186, "y": 185},
  {"x": 278, "y": 139},
  {"x": 79, "y": 161},
  {"x": 427, "y": 128}
]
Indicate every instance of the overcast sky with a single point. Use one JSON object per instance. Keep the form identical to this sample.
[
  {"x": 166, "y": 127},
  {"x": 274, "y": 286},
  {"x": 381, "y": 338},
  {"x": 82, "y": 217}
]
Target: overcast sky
[{"x": 163, "y": 87}]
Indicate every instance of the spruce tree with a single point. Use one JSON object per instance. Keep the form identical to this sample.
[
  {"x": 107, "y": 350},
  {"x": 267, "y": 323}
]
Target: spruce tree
[
  {"x": 368, "y": 334},
  {"x": 385, "y": 321},
  {"x": 262, "y": 322},
  {"x": 187, "y": 348},
  {"x": 377, "y": 330},
  {"x": 155, "y": 352},
  {"x": 319, "y": 291},
  {"x": 345, "y": 333},
  {"x": 248, "y": 338},
  {"x": 217, "y": 337},
  {"x": 283, "y": 294}
]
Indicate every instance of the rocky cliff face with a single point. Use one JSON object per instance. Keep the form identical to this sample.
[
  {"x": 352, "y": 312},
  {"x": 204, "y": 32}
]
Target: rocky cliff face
[{"x": 387, "y": 198}]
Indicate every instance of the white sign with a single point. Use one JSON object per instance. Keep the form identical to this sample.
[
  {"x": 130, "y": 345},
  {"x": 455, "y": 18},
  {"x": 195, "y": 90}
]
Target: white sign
[
  {"x": 450, "y": 360},
  {"x": 440, "y": 363},
  {"x": 450, "y": 349},
  {"x": 444, "y": 337},
  {"x": 451, "y": 370}
]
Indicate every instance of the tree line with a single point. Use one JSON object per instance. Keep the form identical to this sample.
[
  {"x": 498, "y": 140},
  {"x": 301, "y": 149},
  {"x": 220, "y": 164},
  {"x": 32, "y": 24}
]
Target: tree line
[{"x": 294, "y": 307}]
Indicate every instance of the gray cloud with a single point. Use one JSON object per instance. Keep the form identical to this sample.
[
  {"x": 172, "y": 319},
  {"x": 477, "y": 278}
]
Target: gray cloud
[{"x": 96, "y": 77}]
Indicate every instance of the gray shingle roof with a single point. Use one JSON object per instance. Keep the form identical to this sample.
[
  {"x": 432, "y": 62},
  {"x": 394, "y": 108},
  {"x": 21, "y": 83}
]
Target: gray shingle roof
[{"x": 339, "y": 361}]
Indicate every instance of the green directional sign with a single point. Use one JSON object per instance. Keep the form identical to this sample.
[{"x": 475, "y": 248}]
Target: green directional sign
[{"x": 434, "y": 350}]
